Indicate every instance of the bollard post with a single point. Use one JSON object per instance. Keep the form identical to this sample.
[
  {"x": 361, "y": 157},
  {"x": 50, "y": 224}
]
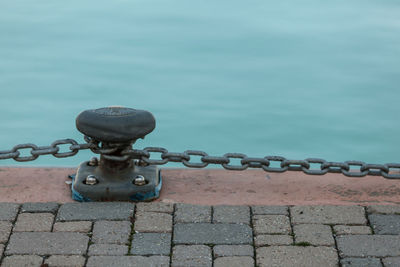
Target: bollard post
[{"x": 115, "y": 177}]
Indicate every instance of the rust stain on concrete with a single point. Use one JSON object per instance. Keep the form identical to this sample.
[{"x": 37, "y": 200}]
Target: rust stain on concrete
[{"x": 216, "y": 187}]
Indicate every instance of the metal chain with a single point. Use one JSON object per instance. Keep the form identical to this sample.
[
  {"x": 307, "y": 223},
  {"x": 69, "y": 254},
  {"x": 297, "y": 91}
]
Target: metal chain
[
  {"x": 187, "y": 158},
  {"x": 53, "y": 149},
  {"x": 320, "y": 166}
]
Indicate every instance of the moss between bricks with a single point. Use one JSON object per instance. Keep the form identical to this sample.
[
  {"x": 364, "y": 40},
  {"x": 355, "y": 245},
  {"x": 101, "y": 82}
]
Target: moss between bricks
[
  {"x": 303, "y": 244},
  {"x": 132, "y": 219}
]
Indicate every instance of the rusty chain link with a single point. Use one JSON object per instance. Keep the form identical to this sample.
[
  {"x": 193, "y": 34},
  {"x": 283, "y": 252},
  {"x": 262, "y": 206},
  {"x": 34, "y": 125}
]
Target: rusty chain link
[{"x": 145, "y": 156}]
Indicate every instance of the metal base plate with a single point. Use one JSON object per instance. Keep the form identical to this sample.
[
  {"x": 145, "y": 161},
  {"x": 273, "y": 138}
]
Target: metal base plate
[{"x": 116, "y": 188}]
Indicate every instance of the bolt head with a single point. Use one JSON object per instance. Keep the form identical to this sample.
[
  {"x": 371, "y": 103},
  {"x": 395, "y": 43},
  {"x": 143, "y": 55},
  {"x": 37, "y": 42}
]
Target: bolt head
[
  {"x": 140, "y": 163},
  {"x": 91, "y": 180},
  {"x": 93, "y": 161},
  {"x": 139, "y": 180}
]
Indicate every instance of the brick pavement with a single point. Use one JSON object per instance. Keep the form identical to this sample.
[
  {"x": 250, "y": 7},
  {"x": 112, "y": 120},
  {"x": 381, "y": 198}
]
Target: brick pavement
[{"x": 164, "y": 234}]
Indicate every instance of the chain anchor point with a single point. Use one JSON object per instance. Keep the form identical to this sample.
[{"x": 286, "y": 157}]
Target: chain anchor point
[{"x": 115, "y": 177}]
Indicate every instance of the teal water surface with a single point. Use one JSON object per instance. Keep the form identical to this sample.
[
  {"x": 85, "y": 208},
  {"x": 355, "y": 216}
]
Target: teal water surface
[{"x": 292, "y": 78}]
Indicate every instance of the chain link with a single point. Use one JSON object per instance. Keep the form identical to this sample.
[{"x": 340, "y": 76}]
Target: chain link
[
  {"x": 240, "y": 167},
  {"x": 189, "y": 164},
  {"x": 321, "y": 171},
  {"x": 388, "y": 175},
  {"x": 145, "y": 157},
  {"x": 53, "y": 149}
]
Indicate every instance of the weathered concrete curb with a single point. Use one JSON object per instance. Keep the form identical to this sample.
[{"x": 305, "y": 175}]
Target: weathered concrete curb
[{"x": 216, "y": 187}]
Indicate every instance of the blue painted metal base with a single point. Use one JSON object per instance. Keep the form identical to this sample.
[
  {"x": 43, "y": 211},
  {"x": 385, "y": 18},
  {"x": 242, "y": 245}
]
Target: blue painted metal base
[{"x": 148, "y": 196}]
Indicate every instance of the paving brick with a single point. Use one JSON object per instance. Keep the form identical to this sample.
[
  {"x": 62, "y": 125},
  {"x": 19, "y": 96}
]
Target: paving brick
[
  {"x": 128, "y": 261},
  {"x": 42, "y": 243},
  {"x": 65, "y": 261},
  {"x": 368, "y": 245},
  {"x": 384, "y": 209},
  {"x": 231, "y": 214},
  {"x": 360, "y": 262},
  {"x": 271, "y": 224},
  {"x": 153, "y": 222},
  {"x": 8, "y": 211},
  {"x": 197, "y": 255},
  {"x": 111, "y": 232},
  {"x": 289, "y": 256},
  {"x": 151, "y": 244},
  {"x": 314, "y": 234},
  {"x": 34, "y": 222},
  {"x": 273, "y": 240},
  {"x": 391, "y": 262},
  {"x": 352, "y": 230},
  {"x": 234, "y": 262},
  {"x": 50, "y": 207},
  {"x": 385, "y": 224},
  {"x": 80, "y": 227},
  {"x": 186, "y": 213},
  {"x": 107, "y": 250},
  {"x": 155, "y": 207},
  {"x": 270, "y": 210},
  {"x": 93, "y": 211},
  {"x": 22, "y": 260},
  {"x": 5, "y": 230},
  {"x": 217, "y": 234},
  {"x": 233, "y": 250},
  {"x": 328, "y": 215}
]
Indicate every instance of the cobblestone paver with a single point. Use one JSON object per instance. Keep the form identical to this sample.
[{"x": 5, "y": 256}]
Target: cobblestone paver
[
  {"x": 34, "y": 222},
  {"x": 234, "y": 262},
  {"x": 369, "y": 245},
  {"x": 233, "y": 250},
  {"x": 272, "y": 240},
  {"x": 111, "y": 232},
  {"x": 289, "y": 256},
  {"x": 385, "y": 224},
  {"x": 384, "y": 209},
  {"x": 361, "y": 262},
  {"x": 107, "y": 250},
  {"x": 231, "y": 214},
  {"x": 271, "y": 224},
  {"x": 66, "y": 261},
  {"x": 42, "y": 243},
  {"x": 160, "y": 222},
  {"x": 391, "y": 262},
  {"x": 186, "y": 213},
  {"x": 8, "y": 211},
  {"x": 22, "y": 260},
  {"x": 80, "y": 227},
  {"x": 270, "y": 210},
  {"x": 314, "y": 234},
  {"x": 352, "y": 230},
  {"x": 5, "y": 230},
  {"x": 128, "y": 261},
  {"x": 95, "y": 211},
  {"x": 165, "y": 234},
  {"x": 151, "y": 244},
  {"x": 39, "y": 207},
  {"x": 352, "y": 215},
  {"x": 195, "y": 256},
  {"x": 155, "y": 207},
  {"x": 216, "y": 234}
]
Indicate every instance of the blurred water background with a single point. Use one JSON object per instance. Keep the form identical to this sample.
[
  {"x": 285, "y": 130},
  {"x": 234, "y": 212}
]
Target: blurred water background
[{"x": 292, "y": 78}]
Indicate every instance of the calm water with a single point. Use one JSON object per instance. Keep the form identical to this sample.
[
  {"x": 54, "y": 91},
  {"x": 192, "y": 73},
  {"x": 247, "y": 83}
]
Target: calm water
[{"x": 292, "y": 78}]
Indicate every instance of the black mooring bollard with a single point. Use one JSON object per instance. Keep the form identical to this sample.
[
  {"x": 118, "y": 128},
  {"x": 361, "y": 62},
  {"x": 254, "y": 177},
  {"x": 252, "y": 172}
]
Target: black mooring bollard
[{"x": 115, "y": 176}]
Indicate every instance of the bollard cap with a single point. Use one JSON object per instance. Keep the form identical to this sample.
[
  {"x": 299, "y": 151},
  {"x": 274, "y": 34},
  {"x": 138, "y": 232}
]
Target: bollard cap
[{"x": 115, "y": 124}]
